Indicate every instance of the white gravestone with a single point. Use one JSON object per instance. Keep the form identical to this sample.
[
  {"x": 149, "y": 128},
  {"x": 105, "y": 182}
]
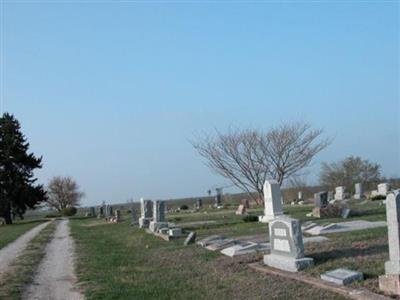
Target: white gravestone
[
  {"x": 340, "y": 193},
  {"x": 383, "y": 189},
  {"x": 300, "y": 196},
  {"x": 390, "y": 282},
  {"x": 146, "y": 212},
  {"x": 272, "y": 201},
  {"x": 359, "y": 194},
  {"x": 287, "y": 249}
]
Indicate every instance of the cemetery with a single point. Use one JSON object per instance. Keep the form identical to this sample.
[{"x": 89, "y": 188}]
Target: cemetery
[
  {"x": 335, "y": 255},
  {"x": 180, "y": 149}
]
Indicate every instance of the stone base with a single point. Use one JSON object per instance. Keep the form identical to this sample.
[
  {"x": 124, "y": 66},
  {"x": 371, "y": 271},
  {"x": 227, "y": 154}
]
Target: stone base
[
  {"x": 156, "y": 226},
  {"x": 390, "y": 284},
  {"x": 267, "y": 219},
  {"x": 358, "y": 196},
  {"x": 288, "y": 263},
  {"x": 144, "y": 222},
  {"x": 330, "y": 211},
  {"x": 392, "y": 267}
]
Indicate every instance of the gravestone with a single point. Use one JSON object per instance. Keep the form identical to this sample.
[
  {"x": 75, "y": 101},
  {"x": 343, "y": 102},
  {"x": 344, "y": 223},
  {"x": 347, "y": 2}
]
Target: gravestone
[
  {"x": 117, "y": 216},
  {"x": 241, "y": 249},
  {"x": 175, "y": 232},
  {"x": 300, "y": 196},
  {"x": 209, "y": 240},
  {"x": 287, "y": 249},
  {"x": 199, "y": 203},
  {"x": 330, "y": 196},
  {"x": 92, "y": 211},
  {"x": 146, "y": 213},
  {"x": 321, "y": 199},
  {"x": 106, "y": 211},
  {"x": 158, "y": 221},
  {"x": 191, "y": 238},
  {"x": 390, "y": 282},
  {"x": 101, "y": 212},
  {"x": 359, "y": 194},
  {"x": 134, "y": 220},
  {"x": 272, "y": 201},
  {"x": 218, "y": 197},
  {"x": 246, "y": 203},
  {"x": 241, "y": 210},
  {"x": 340, "y": 193},
  {"x": 342, "y": 276},
  {"x": 383, "y": 189},
  {"x": 345, "y": 213},
  {"x": 111, "y": 211}
]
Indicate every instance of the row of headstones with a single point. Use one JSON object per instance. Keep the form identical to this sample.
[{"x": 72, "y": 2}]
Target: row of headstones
[
  {"x": 286, "y": 238},
  {"x": 340, "y": 191},
  {"x": 152, "y": 216},
  {"x": 106, "y": 211}
]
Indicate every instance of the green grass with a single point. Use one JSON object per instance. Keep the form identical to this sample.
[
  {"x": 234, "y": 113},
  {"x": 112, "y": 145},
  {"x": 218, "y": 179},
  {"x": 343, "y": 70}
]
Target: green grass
[
  {"x": 117, "y": 261},
  {"x": 9, "y": 233},
  {"x": 23, "y": 268},
  {"x": 365, "y": 251}
]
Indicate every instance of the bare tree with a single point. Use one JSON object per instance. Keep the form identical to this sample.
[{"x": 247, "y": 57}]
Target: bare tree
[
  {"x": 63, "y": 192},
  {"x": 349, "y": 171},
  {"x": 249, "y": 157}
]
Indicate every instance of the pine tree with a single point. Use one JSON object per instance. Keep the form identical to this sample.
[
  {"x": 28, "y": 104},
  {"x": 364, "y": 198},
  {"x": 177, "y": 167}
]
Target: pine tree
[{"x": 18, "y": 190}]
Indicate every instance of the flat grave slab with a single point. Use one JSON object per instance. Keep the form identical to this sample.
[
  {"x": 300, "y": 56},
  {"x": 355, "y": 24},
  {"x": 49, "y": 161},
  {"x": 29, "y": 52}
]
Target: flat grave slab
[
  {"x": 208, "y": 240},
  {"x": 221, "y": 244},
  {"x": 344, "y": 227},
  {"x": 342, "y": 276},
  {"x": 241, "y": 249}
]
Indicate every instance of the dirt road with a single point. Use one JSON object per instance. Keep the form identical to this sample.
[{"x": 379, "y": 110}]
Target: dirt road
[{"x": 55, "y": 277}]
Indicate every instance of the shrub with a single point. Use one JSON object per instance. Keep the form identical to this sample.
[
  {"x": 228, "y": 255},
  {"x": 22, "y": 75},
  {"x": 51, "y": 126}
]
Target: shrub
[
  {"x": 53, "y": 215},
  {"x": 69, "y": 211},
  {"x": 378, "y": 197},
  {"x": 250, "y": 218},
  {"x": 184, "y": 207}
]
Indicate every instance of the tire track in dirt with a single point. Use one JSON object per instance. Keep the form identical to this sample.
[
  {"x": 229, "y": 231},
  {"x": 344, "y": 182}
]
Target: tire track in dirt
[{"x": 55, "y": 277}]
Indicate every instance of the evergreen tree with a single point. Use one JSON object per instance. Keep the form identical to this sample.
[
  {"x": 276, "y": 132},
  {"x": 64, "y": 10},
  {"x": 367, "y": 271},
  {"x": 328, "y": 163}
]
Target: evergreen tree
[{"x": 18, "y": 190}]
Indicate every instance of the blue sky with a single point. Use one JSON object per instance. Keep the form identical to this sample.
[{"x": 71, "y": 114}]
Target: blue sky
[{"x": 110, "y": 93}]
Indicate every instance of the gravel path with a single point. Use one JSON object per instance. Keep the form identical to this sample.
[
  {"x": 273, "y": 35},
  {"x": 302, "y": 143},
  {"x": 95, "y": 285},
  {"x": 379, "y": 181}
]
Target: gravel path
[
  {"x": 15, "y": 248},
  {"x": 55, "y": 276}
]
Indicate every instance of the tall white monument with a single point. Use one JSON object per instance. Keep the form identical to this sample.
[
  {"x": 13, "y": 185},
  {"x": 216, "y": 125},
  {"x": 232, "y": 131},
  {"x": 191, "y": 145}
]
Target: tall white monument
[
  {"x": 272, "y": 201},
  {"x": 390, "y": 282}
]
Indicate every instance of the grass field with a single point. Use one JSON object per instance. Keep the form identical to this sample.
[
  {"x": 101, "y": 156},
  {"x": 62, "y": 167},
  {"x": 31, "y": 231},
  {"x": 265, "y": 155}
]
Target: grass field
[
  {"x": 118, "y": 261},
  {"x": 9, "y": 233}
]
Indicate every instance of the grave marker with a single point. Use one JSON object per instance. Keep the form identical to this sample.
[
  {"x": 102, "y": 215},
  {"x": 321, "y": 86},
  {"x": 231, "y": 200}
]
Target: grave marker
[
  {"x": 390, "y": 282},
  {"x": 272, "y": 201},
  {"x": 340, "y": 193},
  {"x": 146, "y": 212},
  {"x": 359, "y": 194},
  {"x": 158, "y": 221},
  {"x": 287, "y": 249}
]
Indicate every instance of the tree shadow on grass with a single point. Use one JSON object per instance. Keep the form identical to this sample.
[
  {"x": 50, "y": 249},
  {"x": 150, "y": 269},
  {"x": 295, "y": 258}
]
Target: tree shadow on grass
[
  {"x": 322, "y": 257},
  {"x": 24, "y": 222}
]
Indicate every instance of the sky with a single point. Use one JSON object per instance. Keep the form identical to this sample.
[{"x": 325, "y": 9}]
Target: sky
[{"x": 111, "y": 92}]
